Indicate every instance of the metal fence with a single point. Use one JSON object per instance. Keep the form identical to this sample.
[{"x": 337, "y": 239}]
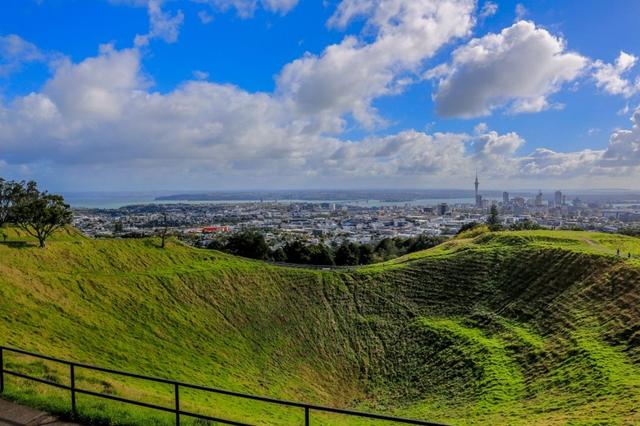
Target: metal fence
[{"x": 308, "y": 409}]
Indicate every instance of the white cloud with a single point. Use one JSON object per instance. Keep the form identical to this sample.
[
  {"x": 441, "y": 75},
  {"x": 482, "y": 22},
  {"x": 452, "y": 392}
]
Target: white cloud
[
  {"x": 205, "y": 17},
  {"x": 347, "y": 76},
  {"x": 97, "y": 88},
  {"x": 620, "y": 158},
  {"x": 246, "y": 8},
  {"x": 201, "y": 75},
  {"x": 624, "y": 146},
  {"x": 489, "y": 8},
  {"x": 162, "y": 25},
  {"x": 549, "y": 164},
  {"x": 610, "y": 77},
  {"x": 101, "y": 119},
  {"x": 15, "y": 52},
  {"x": 519, "y": 69}
]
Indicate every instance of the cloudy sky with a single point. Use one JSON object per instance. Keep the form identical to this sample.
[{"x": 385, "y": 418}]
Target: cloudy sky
[{"x": 251, "y": 94}]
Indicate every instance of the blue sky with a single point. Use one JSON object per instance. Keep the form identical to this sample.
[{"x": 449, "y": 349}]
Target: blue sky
[{"x": 231, "y": 94}]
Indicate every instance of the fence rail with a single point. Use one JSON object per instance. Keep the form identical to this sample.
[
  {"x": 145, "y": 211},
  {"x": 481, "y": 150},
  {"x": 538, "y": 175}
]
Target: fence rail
[{"x": 74, "y": 390}]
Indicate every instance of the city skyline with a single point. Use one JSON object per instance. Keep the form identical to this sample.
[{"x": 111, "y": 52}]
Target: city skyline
[{"x": 233, "y": 95}]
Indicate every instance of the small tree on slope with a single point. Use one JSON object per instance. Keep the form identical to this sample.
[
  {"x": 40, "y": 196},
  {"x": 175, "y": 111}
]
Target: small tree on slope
[
  {"x": 494, "y": 219},
  {"x": 40, "y": 214}
]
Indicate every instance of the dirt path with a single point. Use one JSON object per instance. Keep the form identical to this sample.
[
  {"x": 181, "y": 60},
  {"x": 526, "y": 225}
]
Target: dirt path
[{"x": 12, "y": 414}]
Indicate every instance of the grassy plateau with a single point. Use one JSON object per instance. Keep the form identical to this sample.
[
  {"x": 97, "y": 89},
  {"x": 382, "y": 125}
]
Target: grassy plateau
[{"x": 532, "y": 327}]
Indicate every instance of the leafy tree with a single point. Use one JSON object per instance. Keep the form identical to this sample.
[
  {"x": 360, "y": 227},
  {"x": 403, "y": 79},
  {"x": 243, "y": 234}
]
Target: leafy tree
[
  {"x": 424, "y": 242},
  {"x": 493, "y": 221},
  {"x": 467, "y": 227},
  {"x": 248, "y": 244},
  {"x": 525, "y": 225},
  {"x": 347, "y": 254},
  {"x": 9, "y": 193},
  {"x": 217, "y": 244},
  {"x": 320, "y": 255},
  {"x": 279, "y": 255},
  {"x": 40, "y": 214},
  {"x": 297, "y": 252},
  {"x": 365, "y": 254},
  {"x": 387, "y": 249}
]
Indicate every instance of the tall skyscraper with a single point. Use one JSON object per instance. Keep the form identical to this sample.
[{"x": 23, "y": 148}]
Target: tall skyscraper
[
  {"x": 558, "y": 198},
  {"x": 505, "y": 198},
  {"x": 539, "y": 198}
]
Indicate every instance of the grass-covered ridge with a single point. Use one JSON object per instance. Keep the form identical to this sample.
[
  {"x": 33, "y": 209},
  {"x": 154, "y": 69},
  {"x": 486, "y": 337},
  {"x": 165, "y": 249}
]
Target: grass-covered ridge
[{"x": 512, "y": 327}]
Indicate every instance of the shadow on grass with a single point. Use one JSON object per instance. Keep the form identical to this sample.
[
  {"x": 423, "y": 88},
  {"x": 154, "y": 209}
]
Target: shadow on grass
[{"x": 17, "y": 244}]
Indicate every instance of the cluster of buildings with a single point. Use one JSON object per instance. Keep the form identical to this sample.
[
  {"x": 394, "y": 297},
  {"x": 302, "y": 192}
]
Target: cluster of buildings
[{"x": 329, "y": 222}]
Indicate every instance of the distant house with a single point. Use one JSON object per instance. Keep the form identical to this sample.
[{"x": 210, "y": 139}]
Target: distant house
[{"x": 214, "y": 229}]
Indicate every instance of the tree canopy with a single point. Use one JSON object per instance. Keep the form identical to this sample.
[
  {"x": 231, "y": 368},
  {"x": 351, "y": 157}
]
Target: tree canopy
[{"x": 36, "y": 212}]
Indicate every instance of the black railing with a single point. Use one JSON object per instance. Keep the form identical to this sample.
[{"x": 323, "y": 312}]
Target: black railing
[{"x": 74, "y": 390}]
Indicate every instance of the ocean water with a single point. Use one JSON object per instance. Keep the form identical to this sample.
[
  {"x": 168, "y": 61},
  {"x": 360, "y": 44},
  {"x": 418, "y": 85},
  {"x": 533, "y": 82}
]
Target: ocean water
[{"x": 114, "y": 200}]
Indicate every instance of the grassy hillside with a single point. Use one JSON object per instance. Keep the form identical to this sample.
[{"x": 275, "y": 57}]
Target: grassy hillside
[{"x": 513, "y": 327}]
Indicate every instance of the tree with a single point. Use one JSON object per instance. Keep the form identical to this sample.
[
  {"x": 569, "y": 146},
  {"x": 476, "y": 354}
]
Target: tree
[
  {"x": 365, "y": 254},
  {"x": 423, "y": 242},
  {"x": 40, "y": 214},
  {"x": 248, "y": 244},
  {"x": 9, "y": 192},
  {"x": 347, "y": 254},
  {"x": 525, "y": 225},
  {"x": 494, "y": 219},
  {"x": 279, "y": 255},
  {"x": 387, "y": 249},
  {"x": 467, "y": 227},
  {"x": 320, "y": 255},
  {"x": 297, "y": 252},
  {"x": 164, "y": 230}
]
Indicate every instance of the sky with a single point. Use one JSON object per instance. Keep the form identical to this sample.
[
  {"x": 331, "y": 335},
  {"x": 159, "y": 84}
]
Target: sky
[{"x": 291, "y": 94}]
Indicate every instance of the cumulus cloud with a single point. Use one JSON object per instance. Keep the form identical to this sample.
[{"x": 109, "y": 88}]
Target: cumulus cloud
[
  {"x": 549, "y": 164},
  {"x": 101, "y": 114},
  {"x": 621, "y": 157},
  {"x": 347, "y": 76},
  {"x": 101, "y": 117},
  {"x": 518, "y": 69},
  {"x": 611, "y": 79},
  {"x": 15, "y": 52},
  {"x": 624, "y": 145},
  {"x": 407, "y": 153}
]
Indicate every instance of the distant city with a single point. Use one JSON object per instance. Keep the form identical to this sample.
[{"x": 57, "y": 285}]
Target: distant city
[{"x": 332, "y": 217}]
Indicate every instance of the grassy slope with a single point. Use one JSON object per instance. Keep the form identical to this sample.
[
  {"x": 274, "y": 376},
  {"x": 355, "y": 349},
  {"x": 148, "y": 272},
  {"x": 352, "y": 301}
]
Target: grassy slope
[{"x": 510, "y": 327}]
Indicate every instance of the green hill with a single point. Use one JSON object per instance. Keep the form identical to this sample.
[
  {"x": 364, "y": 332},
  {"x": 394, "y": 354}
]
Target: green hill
[{"x": 514, "y": 328}]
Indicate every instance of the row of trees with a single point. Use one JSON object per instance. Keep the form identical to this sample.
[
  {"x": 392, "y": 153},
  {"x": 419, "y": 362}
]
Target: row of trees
[
  {"x": 252, "y": 244},
  {"x": 495, "y": 224},
  {"x": 36, "y": 212}
]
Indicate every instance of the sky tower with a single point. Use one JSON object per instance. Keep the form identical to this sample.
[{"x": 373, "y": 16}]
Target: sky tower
[{"x": 477, "y": 184}]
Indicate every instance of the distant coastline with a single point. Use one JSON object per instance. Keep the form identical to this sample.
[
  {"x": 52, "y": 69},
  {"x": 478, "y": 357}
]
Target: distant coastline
[{"x": 371, "y": 198}]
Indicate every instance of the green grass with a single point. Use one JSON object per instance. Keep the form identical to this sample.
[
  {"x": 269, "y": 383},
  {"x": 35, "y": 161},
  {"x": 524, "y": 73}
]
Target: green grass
[{"x": 511, "y": 327}]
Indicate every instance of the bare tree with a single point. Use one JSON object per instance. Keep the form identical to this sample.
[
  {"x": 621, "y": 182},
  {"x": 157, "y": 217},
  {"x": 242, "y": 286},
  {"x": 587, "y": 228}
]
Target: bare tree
[{"x": 164, "y": 230}]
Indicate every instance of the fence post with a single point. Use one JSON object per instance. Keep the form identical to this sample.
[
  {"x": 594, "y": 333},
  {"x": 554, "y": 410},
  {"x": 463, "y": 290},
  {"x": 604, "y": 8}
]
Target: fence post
[
  {"x": 177, "y": 393},
  {"x": 74, "y": 410},
  {"x": 306, "y": 416},
  {"x": 1, "y": 369}
]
